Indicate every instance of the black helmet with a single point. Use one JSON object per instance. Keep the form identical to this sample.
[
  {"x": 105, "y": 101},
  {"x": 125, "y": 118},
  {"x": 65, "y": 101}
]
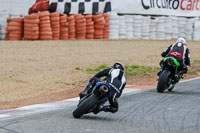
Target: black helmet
[{"x": 118, "y": 66}]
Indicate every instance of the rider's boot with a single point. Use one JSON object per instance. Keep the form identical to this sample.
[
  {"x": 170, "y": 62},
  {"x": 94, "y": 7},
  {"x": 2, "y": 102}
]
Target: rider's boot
[
  {"x": 98, "y": 109},
  {"x": 108, "y": 108},
  {"x": 178, "y": 76},
  {"x": 88, "y": 89}
]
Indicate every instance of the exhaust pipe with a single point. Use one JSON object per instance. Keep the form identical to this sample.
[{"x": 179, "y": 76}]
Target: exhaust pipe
[{"x": 103, "y": 89}]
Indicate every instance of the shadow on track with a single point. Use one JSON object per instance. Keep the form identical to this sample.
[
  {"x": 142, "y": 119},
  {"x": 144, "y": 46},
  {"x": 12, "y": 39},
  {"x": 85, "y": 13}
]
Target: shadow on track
[{"x": 95, "y": 117}]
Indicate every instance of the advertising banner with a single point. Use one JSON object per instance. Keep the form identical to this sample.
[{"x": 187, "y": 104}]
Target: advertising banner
[{"x": 159, "y": 7}]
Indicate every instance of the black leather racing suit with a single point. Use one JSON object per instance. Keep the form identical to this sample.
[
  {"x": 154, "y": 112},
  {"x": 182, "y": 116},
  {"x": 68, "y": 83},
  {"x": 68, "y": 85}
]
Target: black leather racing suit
[{"x": 115, "y": 78}]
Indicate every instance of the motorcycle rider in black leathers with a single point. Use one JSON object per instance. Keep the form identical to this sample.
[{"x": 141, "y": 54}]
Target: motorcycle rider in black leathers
[
  {"x": 179, "y": 51},
  {"x": 115, "y": 78}
]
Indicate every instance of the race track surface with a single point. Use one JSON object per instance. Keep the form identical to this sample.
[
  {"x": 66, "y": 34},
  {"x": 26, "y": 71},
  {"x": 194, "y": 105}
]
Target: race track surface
[{"x": 144, "y": 112}]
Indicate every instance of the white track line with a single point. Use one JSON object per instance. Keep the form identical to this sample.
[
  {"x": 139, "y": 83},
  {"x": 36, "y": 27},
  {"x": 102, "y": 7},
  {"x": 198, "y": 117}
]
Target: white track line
[{"x": 187, "y": 80}]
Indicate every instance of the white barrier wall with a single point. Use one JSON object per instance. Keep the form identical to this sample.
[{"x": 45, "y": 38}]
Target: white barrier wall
[
  {"x": 12, "y": 8},
  {"x": 17, "y": 7},
  {"x": 153, "y": 27},
  {"x": 197, "y": 31}
]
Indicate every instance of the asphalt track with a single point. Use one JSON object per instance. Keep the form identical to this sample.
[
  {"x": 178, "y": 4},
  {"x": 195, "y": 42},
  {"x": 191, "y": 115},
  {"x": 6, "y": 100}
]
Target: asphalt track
[{"x": 142, "y": 112}]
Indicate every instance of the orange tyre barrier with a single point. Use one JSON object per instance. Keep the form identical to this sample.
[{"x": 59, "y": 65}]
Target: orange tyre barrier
[
  {"x": 33, "y": 37},
  {"x": 17, "y": 32},
  {"x": 45, "y": 26},
  {"x": 89, "y": 23},
  {"x": 99, "y": 24},
  {"x": 56, "y": 31},
  {"x": 89, "y": 27},
  {"x": 71, "y": 31},
  {"x": 78, "y": 16},
  {"x": 44, "y": 13},
  {"x": 56, "y": 18},
  {"x": 32, "y": 16},
  {"x": 13, "y": 35},
  {"x": 15, "y": 24},
  {"x": 90, "y": 31},
  {"x": 14, "y": 29},
  {"x": 90, "y": 36},
  {"x": 98, "y": 32},
  {"x": 28, "y": 33},
  {"x": 15, "y": 20},
  {"x": 55, "y": 14},
  {"x": 45, "y": 37},
  {"x": 48, "y": 25},
  {"x": 45, "y": 33},
  {"x": 30, "y": 25},
  {"x": 70, "y": 18},
  {"x": 47, "y": 29},
  {"x": 80, "y": 20},
  {"x": 55, "y": 25},
  {"x": 80, "y": 25},
  {"x": 64, "y": 35},
  {"x": 55, "y": 38},
  {"x": 32, "y": 21},
  {"x": 97, "y": 16},
  {"x": 71, "y": 27},
  {"x": 105, "y": 15},
  {"x": 64, "y": 30},
  {"x": 71, "y": 24},
  {"x": 63, "y": 18},
  {"x": 45, "y": 18},
  {"x": 29, "y": 28},
  {"x": 88, "y": 17}
]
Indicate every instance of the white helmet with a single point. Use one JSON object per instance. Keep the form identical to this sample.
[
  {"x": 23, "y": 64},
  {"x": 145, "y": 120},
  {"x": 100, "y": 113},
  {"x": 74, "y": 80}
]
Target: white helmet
[{"x": 182, "y": 40}]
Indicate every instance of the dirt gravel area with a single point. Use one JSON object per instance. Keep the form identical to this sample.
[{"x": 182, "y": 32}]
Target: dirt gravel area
[{"x": 43, "y": 71}]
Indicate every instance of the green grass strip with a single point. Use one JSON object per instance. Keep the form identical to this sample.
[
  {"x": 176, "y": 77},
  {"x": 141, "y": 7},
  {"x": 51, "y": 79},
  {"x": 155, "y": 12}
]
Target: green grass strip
[
  {"x": 131, "y": 70},
  {"x": 196, "y": 61}
]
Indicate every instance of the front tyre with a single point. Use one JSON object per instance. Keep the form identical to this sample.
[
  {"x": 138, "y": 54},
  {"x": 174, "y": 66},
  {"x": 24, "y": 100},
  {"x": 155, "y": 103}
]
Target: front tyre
[
  {"x": 85, "y": 106},
  {"x": 163, "y": 81}
]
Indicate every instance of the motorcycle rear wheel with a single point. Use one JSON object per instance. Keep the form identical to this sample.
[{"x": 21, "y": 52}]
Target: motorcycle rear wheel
[{"x": 85, "y": 106}]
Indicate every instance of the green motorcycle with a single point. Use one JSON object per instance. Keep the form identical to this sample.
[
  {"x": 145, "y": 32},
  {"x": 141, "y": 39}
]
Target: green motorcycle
[{"x": 166, "y": 79}]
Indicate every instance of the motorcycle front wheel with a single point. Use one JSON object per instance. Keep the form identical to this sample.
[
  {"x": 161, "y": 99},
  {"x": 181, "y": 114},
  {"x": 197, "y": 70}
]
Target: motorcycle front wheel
[{"x": 163, "y": 81}]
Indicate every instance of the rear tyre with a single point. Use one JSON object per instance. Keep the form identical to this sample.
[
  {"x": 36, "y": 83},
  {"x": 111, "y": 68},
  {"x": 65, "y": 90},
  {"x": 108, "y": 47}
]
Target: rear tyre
[
  {"x": 85, "y": 106},
  {"x": 163, "y": 81}
]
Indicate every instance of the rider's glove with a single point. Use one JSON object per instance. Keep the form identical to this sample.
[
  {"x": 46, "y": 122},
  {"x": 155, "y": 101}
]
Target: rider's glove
[{"x": 91, "y": 79}]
